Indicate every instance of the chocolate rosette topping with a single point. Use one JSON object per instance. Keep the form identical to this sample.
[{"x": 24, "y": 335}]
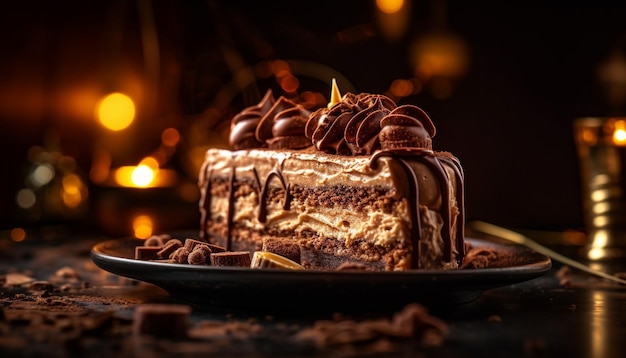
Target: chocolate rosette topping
[
  {"x": 406, "y": 126},
  {"x": 244, "y": 124},
  {"x": 282, "y": 127},
  {"x": 350, "y": 127}
]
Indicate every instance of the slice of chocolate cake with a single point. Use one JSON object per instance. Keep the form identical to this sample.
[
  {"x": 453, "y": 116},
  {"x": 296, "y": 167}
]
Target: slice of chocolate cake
[{"x": 357, "y": 182}]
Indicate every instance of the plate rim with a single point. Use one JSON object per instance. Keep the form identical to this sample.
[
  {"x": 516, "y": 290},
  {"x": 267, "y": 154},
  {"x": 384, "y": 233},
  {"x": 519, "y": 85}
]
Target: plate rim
[
  {"x": 98, "y": 254},
  {"x": 223, "y": 286}
]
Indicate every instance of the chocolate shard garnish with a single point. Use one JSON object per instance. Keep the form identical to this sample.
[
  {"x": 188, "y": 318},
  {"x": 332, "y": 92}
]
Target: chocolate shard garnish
[{"x": 231, "y": 258}]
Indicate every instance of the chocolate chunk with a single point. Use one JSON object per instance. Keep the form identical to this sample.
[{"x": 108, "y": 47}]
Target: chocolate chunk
[
  {"x": 284, "y": 247},
  {"x": 216, "y": 248},
  {"x": 180, "y": 255},
  {"x": 169, "y": 248},
  {"x": 201, "y": 255},
  {"x": 236, "y": 258},
  {"x": 147, "y": 252},
  {"x": 157, "y": 240},
  {"x": 162, "y": 320},
  {"x": 191, "y": 243}
]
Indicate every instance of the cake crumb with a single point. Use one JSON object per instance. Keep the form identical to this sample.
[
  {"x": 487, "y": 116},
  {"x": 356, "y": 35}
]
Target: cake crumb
[{"x": 411, "y": 322}]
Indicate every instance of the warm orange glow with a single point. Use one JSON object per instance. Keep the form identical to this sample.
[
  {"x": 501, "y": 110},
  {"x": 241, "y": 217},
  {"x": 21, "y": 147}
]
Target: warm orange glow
[
  {"x": 116, "y": 111},
  {"x": 588, "y": 136},
  {"x": 619, "y": 134},
  {"x": 280, "y": 68},
  {"x": 142, "y": 175},
  {"x": 170, "y": 137},
  {"x": 142, "y": 226},
  {"x": 145, "y": 175},
  {"x": 289, "y": 83},
  {"x": 439, "y": 55},
  {"x": 100, "y": 167},
  {"x": 401, "y": 88},
  {"x": 389, "y": 6},
  {"x": 18, "y": 234},
  {"x": 73, "y": 189},
  {"x": 263, "y": 69}
]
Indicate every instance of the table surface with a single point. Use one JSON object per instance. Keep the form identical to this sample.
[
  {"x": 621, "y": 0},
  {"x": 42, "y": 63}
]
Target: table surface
[{"x": 57, "y": 302}]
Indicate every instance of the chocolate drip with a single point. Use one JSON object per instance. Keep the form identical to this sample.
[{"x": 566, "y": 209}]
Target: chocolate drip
[
  {"x": 205, "y": 204},
  {"x": 416, "y": 227},
  {"x": 460, "y": 200},
  {"x": 428, "y": 158},
  {"x": 231, "y": 209},
  {"x": 257, "y": 181},
  {"x": 264, "y": 192},
  {"x": 446, "y": 230}
]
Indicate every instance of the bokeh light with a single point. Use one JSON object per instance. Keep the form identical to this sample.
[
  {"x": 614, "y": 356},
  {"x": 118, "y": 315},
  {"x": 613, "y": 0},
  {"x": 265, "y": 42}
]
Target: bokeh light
[
  {"x": 18, "y": 234},
  {"x": 389, "y": 6},
  {"x": 116, "y": 111},
  {"x": 142, "y": 226}
]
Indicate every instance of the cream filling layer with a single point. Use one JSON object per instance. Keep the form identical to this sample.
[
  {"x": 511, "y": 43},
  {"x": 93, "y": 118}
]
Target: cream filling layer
[{"x": 376, "y": 228}]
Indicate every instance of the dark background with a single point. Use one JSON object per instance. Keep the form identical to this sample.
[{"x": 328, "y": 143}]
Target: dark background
[{"x": 533, "y": 68}]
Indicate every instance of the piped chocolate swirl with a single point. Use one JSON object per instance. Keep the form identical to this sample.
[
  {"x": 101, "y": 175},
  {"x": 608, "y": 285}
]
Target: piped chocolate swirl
[{"x": 244, "y": 124}]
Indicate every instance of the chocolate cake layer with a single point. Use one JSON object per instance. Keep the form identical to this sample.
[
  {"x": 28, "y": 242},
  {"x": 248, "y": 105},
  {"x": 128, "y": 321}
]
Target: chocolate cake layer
[{"x": 359, "y": 209}]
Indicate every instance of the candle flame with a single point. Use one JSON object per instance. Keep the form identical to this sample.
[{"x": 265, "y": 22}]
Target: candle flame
[
  {"x": 619, "y": 134},
  {"x": 144, "y": 175}
]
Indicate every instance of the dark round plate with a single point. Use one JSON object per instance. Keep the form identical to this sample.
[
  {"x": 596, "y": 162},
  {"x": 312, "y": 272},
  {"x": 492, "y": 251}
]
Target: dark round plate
[{"x": 285, "y": 290}]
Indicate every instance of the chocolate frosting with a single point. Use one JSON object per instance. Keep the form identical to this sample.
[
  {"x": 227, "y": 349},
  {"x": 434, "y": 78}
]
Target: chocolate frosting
[
  {"x": 406, "y": 127},
  {"x": 244, "y": 124},
  {"x": 364, "y": 123},
  {"x": 360, "y": 124},
  {"x": 283, "y": 126}
]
